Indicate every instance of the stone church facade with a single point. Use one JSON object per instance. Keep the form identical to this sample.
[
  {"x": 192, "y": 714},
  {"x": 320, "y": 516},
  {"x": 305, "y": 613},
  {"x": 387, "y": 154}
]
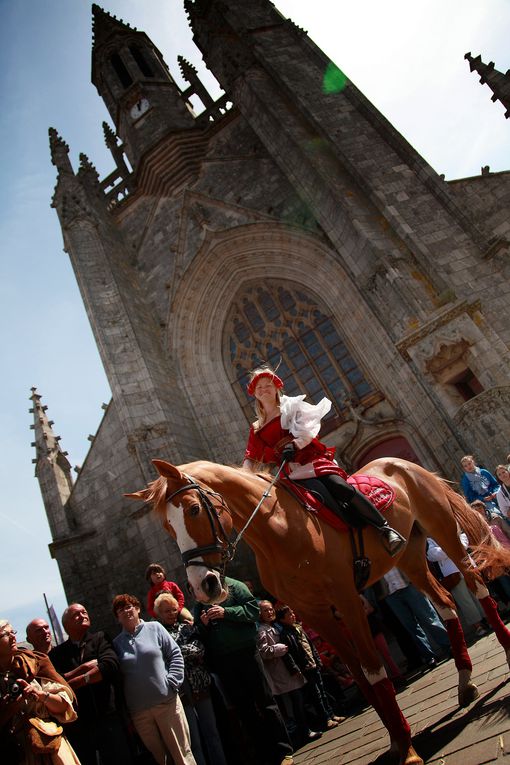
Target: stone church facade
[{"x": 287, "y": 222}]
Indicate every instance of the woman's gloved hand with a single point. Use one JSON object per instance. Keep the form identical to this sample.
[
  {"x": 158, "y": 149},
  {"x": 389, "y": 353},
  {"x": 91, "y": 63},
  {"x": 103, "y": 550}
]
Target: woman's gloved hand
[{"x": 288, "y": 451}]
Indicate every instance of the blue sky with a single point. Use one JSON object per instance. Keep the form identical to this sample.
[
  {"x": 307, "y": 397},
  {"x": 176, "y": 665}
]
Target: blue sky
[{"x": 406, "y": 57}]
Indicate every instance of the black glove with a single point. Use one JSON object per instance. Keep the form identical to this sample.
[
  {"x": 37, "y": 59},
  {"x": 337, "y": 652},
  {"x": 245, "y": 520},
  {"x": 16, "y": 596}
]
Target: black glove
[{"x": 288, "y": 451}]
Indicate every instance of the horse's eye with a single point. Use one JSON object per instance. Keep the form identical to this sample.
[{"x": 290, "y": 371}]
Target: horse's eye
[{"x": 194, "y": 509}]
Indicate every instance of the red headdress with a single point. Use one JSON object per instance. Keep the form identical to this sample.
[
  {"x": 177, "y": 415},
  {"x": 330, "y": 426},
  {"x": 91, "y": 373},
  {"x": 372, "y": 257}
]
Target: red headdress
[{"x": 274, "y": 378}]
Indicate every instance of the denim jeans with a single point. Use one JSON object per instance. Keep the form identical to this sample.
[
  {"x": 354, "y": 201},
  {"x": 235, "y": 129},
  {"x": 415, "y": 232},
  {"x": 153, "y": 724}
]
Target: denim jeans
[{"x": 419, "y": 618}]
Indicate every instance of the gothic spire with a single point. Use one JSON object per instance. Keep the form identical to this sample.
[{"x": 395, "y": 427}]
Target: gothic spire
[
  {"x": 109, "y": 136},
  {"x": 498, "y": 82},
  {"x": 188, "y": 71},
  {"x": 104, "y": 25},
  {"x": 88, "y": 174},
  {"x": 59, "y": 152},
  {"x": 52, "y": 468}
]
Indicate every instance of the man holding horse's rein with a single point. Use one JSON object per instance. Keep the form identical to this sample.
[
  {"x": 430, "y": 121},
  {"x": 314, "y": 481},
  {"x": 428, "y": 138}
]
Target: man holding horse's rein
[{"x": 286, "y": 430}]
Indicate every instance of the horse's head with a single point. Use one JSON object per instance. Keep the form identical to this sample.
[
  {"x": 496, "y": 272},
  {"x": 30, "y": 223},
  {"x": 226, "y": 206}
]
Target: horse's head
[{"x": 195, "y": 516}]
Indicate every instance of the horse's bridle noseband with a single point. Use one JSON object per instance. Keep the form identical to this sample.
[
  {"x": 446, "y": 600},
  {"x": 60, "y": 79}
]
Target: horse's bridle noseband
[
  {"x": 221, "y": 543},
  {"x": 223, "y": 546}
]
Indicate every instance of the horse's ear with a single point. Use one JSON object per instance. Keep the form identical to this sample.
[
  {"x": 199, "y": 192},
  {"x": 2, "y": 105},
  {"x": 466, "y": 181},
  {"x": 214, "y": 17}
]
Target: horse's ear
[{"x": 167, "y": 470}]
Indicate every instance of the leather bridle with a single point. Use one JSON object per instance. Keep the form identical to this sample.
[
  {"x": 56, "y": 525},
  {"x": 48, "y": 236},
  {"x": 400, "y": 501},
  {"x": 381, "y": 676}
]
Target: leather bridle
[{"x": 221, "y": 544}]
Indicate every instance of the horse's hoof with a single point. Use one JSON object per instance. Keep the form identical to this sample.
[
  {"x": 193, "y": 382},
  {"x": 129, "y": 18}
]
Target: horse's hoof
[
  {"x": 468, "y": 694},
  {"x": 409, "y": 758},
  {"x": 412, "y": 758}
]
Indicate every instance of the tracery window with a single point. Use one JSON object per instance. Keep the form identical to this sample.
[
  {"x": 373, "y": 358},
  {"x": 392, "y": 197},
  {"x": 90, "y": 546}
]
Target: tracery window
[{"x": 280, "y": 324}]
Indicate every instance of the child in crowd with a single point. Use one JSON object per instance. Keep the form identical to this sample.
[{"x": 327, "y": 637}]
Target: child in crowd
[{"x": 156, "y": 576}]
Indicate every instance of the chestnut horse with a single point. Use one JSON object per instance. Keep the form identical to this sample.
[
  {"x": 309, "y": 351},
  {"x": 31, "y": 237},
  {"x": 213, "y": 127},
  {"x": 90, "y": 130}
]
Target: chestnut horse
[{"x": 309, "y": 565}]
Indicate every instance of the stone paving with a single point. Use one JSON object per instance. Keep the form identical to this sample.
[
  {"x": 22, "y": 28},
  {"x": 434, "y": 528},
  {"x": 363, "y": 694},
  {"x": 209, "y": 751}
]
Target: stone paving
[{"x": 442, "y": 733}]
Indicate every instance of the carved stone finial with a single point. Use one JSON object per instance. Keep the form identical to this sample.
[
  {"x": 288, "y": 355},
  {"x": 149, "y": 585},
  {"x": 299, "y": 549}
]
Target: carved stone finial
[
  {"x": 109, "y": 136},
  {"x": 88, "y": 173},
  {"x": 188, "y": 71},
  {"x": 59, "y": 152},
  {"x": 498, "y": 82}
]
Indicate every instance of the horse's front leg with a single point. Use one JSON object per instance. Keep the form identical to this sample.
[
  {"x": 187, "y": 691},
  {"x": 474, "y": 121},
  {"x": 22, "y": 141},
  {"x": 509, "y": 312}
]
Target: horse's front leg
[{"x": 355, "y": 645}]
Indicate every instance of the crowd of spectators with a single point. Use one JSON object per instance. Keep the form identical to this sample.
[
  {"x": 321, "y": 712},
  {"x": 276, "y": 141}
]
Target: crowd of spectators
[{"x": 241, "y": 678}]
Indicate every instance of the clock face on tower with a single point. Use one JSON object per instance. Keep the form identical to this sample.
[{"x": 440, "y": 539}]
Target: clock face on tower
[{"x": 139, "y": 108}]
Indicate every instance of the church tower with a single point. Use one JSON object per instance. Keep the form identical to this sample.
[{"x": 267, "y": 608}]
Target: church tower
[
  {"x": 132, "y": 78},
  {"x": 288, "y": 222}
]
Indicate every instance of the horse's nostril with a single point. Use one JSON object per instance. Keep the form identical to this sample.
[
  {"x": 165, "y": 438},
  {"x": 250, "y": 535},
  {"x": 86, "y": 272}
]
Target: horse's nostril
[{"x": 210, "y": 584}]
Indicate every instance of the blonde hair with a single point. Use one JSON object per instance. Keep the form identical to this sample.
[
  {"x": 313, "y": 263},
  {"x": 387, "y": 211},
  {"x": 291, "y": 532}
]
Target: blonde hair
[
  {"x": 259, "y": 411},
  {"x": 165, "y": 597},
  {"x": 183, "y": 615},
  {"x": 468, "y": 457}
]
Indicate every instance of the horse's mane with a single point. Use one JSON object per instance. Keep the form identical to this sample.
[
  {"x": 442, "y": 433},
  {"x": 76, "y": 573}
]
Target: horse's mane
[
  {"x": 155, "y": 494},
  {"x": 489, "y": 555}
]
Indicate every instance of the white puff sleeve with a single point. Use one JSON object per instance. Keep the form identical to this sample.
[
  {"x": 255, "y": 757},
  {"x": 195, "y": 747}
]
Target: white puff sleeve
[{"x": 302, "y": 419}]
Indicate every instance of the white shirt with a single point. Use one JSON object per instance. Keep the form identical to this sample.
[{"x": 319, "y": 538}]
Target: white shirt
[
  {"x": 395, "y": 581},
  {"x": 503, "y": 501}
]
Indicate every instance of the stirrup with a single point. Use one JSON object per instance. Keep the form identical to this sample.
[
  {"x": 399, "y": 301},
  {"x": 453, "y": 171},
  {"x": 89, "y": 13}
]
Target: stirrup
[{"x": 392, "y": 541}]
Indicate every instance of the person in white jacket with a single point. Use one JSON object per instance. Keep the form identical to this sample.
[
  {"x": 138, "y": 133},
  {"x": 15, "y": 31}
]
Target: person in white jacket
[
  {"x": 470, "y": 612},
  {"x": 503, "y": 493}
]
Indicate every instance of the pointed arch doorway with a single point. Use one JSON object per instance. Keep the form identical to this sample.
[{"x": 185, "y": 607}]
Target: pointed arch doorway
[{"x": 396, "y": 446}]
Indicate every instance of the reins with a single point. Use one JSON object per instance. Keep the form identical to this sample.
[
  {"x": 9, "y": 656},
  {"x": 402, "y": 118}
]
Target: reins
[{"x": 254, "y": 513}]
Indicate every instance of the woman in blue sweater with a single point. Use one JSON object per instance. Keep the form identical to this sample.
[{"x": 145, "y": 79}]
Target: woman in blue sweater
[
  {"x": 477, "y": 483},
  {"x": 152, "y": 670}
]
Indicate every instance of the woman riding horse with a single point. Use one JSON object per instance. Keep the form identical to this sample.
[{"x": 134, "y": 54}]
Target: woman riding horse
[{"x": 286, "y": 429}]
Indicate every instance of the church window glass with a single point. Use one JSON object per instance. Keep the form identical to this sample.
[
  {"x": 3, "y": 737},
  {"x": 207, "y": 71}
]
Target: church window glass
[{"x": 285, "y": 327}]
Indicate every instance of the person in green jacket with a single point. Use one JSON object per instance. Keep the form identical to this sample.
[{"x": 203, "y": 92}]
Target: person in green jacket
[{"x": 229, "y": 633}]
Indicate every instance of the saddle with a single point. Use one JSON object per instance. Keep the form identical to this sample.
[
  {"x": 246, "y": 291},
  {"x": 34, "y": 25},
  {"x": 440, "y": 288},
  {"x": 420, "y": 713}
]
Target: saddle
[{"x": 375, "y": 489}]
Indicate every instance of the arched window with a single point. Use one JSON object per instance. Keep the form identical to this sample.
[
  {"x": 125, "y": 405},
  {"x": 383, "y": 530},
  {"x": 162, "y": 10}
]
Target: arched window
[
  {"x": 280, "y": 324},
  {"x": 121, "y": 71},
  {"x": 141, "y": 61}
]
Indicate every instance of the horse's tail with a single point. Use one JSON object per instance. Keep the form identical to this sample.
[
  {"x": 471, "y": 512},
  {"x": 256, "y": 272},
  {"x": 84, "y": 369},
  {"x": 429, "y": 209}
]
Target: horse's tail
[{"x": 490, "y": 556}]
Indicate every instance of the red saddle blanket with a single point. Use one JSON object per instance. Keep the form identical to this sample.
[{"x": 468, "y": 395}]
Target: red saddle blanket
[{"x": 374, "y": 489}]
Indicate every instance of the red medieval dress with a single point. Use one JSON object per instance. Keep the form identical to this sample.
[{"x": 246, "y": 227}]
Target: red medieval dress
[{"x": 300, "y": 422}]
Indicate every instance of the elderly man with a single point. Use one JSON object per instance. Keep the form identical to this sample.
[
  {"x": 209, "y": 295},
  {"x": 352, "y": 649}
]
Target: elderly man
[
  {"x": 89, "y": 663},
  {"x": 39, "y": 634}
]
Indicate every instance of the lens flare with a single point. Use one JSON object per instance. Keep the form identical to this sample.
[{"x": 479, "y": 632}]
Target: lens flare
[{"x": 334, "y": 80}]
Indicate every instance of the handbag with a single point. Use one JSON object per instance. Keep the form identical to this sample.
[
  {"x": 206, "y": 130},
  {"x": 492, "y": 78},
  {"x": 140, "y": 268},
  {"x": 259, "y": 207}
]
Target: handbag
[{"x": 44, "y": 736}]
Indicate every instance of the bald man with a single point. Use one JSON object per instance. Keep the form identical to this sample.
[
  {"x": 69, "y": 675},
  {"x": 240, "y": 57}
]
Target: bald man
[
  {"x": 39, "y": 634},
  {"x": 90, "y": 665}
]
